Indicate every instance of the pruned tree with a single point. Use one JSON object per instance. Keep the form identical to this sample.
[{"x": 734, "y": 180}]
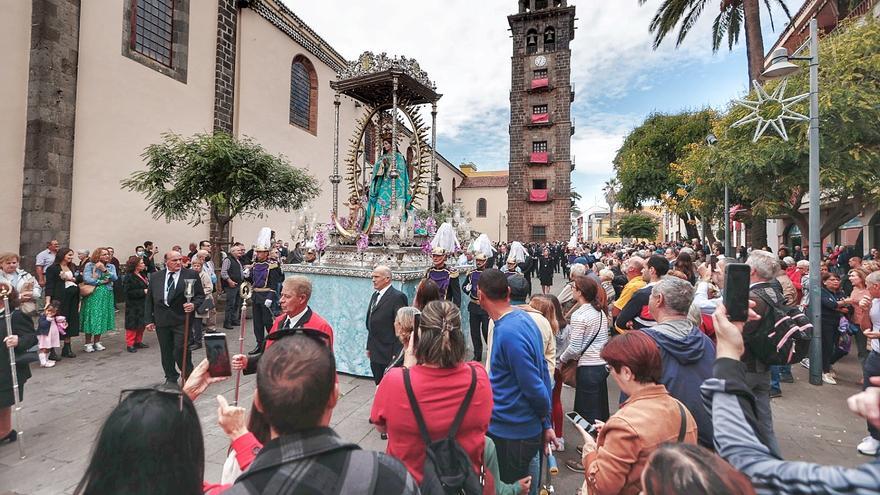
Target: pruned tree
[
  {"x": 217, "y": 178},
  {"x": 638, "y": 226}
]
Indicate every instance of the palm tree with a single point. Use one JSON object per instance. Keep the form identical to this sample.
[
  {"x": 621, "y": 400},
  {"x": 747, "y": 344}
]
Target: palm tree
[
  {"x": 610, "y": 189},
  {"x": 734, "y": 15}
]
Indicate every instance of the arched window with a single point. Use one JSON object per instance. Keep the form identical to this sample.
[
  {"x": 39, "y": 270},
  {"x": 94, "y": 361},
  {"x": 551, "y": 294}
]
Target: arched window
[
  {"x": 531, "y": 41},
  {"x": 481, "y": 208},
  {"x": 549, "y": 39},
  {"x": 303, "y": 94}
]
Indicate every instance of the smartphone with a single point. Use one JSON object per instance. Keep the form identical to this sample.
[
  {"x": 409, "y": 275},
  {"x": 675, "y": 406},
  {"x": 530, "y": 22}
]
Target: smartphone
[
  {"x": 218, "y": 354},
  {"x": 583, "y": 423},
  {"x": 736, "y": 291}
]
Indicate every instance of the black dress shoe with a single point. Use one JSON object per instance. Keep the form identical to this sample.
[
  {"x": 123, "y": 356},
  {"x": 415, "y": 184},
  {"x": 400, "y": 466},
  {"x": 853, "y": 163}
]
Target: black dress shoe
[
  {"x": 130, "y": 348},
  {"x": 67, "y": 352},
  {"x": 384, "y": 436},
  {"x": 53, "y": 356},
  {"x": 256, "y": 350},
  {"x": 141, "y": 345},
  {"x": 169, "y": 381},
  {"x": 10, "y": 437},
  {"x": 195, "y": 346},
  {"x": 227, "y": 326}
]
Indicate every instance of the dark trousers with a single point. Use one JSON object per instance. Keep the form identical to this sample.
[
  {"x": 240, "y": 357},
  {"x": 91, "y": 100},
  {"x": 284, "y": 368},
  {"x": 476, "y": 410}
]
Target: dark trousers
[
  {"x": 479, "y": 323},
  {"x": 232, "y": 315},
  {"x": 196, "y": 330},
  {"x": 871, "y": 368},
  {"x": 591, "y": 393},
  {"x": 262, "y": 320},
  {"x": 171, "y": 349},
  {"x": 830, "y": 339},
  {"x": 514, "y": 456},
  {"x": 378, "y": 370}
]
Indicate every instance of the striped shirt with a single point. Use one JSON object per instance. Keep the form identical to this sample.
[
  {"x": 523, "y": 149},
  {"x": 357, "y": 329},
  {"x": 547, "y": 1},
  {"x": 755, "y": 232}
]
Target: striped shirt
[{"x": 586, "y": 322}]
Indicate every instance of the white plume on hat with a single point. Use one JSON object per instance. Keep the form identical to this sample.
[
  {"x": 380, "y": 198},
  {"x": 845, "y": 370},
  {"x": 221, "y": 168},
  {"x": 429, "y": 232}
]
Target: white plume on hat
[
  {"x": 445, "y": 238},
  {"x": 483, "y": 245},
  {"x": 518, "y": 251},
  {"x": 264, "y": 240},
  {"x": 573, "y": 242}
]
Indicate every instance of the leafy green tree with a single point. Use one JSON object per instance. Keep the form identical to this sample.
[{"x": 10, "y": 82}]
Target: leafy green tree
[
  {"x": 772, "y": 175},
  {"x": 645, "y": 163},
  {"x": 734, "y": 16},
  {"x": 217, "y": 178},
  {"x": 638, "y": 226}
]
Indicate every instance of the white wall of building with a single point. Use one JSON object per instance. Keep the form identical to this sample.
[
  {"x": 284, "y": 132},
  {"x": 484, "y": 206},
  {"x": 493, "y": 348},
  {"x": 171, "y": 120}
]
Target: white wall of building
[
  {"x": 494, "y": 224},
  {"x": 14, "y": 59}
]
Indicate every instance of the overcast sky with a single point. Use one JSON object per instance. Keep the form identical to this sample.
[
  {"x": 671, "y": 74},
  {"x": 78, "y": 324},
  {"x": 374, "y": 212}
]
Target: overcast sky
[{"x": 465, "y": 47}]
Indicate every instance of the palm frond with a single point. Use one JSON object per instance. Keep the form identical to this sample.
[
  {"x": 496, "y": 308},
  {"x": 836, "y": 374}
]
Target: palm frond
[
  {"x": 689, "y": 21},
  {"x": 734, "y": 26}
]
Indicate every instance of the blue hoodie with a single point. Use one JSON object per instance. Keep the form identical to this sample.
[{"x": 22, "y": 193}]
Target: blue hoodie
[{"x": 687, "y": 355}]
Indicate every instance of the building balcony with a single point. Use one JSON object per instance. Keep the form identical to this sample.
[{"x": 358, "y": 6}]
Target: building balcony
[
  {"x": 542, "y": 84},
  {"x": 540, "y": 158},
  {"x": 539, "y": 196}
]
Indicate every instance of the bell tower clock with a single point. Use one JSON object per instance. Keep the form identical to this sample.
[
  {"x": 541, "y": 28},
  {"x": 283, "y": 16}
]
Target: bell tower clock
[{"x": 538, "y": 193}]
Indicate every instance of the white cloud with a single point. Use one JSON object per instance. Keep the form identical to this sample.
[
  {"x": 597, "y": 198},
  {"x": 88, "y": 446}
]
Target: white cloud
[{"x": 465, "y": 47}]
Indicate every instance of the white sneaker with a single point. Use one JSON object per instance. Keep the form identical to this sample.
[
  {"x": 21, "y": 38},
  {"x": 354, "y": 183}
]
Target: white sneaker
[
  {"x": 827, "y": 378},
  {"x": 89, "y": 348},
  {"x": 99, "y": 346},
  {"x": 869, "y": 446},
  {"x": 805, "y": 362},
  {"x": 49, "y": 364},
  {"x": 561, "y": 445}
]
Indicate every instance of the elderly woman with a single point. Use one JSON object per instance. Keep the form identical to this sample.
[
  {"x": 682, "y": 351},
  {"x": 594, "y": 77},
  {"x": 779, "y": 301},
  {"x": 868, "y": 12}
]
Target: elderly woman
[
  {"x": 25, "y": 284},
  {"x": 135, "y": 286},
  {"x": 22, "y": 338},
  {"x": 61, "y": 285},
  {"x": 649, "y": 418},
  {"x": 438, "y": 383},
  {"x": 406, "y": 321},
  {"x": 203, "y": 316},
  {"x": 98, "y": 310}
]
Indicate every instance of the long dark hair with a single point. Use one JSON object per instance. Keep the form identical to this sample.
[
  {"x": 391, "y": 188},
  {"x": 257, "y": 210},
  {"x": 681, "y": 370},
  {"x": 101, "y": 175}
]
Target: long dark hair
[
  {"x": 593, "y": 294},
  {"x": 427, "y": 291},
  {"x": 59, "y": 256},
  {"x": 147, "y": 446}
]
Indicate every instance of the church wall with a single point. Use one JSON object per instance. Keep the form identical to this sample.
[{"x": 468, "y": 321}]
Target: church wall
[
  {"x": 494, "y": 224},
  {"x": 14, "y": 58},
  {"x": 122, "y": 107}
]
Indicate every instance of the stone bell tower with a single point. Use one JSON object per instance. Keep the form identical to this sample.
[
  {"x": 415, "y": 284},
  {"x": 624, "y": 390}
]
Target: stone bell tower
[{"x": 539, "y": 188}]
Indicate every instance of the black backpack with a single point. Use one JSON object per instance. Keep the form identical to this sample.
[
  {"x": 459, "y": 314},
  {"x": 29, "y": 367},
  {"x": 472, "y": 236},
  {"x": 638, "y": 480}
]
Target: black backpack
[
  {"x": 448, "y": 469},
  {"x": 783, "y": 336}
]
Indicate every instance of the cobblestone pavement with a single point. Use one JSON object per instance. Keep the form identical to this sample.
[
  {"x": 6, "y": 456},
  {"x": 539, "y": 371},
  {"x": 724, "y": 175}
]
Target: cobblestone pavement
[{"x": 65, "y": 405}]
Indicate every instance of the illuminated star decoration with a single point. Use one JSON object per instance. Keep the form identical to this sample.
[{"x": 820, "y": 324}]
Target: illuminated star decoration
[{"x": 776, "y": 105}]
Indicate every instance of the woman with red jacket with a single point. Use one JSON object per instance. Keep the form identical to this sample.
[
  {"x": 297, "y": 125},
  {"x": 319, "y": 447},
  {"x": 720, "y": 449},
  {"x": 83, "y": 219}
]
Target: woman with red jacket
[{"x": 439, "y": 382}]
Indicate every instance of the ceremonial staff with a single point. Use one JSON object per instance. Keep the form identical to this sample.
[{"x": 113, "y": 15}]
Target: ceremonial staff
[
  {"x": 188, "y": 293},
  {"x": 245, "y": 292},
  {"x": 16, "y": 411}
]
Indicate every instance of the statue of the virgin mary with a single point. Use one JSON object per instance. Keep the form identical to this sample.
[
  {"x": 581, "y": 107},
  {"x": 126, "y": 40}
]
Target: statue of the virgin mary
[{"x": 389, "y": 171}]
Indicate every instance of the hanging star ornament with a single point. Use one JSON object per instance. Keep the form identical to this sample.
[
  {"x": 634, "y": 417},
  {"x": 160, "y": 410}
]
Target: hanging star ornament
[{"x": 770, "y": 110}]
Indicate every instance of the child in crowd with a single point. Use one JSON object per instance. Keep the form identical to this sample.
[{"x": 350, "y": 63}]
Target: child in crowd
[{"x": 49, "y": 331}]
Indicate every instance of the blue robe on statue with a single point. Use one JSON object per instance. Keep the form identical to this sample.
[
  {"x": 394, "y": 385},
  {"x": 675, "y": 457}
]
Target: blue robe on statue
[{"x": 380, "y": 188}]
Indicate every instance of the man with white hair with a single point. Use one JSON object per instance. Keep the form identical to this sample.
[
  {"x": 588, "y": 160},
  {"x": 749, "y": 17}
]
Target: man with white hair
[
  {"x": 296, "y": 315},
  {"x": 382, "y": 342},
  {"x": 764, "y": 268},
  {"x": 632, "y": 268}
]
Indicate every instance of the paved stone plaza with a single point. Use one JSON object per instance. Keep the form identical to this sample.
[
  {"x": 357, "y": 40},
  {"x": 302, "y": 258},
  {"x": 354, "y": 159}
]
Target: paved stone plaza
[{"x": 65, "y": 405}]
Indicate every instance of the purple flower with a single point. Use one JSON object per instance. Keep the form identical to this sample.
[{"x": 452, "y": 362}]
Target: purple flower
[
  {"x": 431, "y": 225},
  {"x": 426, "y": 247},
  {"x": 363, "y": 241}
]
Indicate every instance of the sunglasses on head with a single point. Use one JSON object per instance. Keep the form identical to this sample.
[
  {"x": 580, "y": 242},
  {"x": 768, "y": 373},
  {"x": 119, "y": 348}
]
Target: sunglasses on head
[
  {"x": 308, "y": 332},
  {"x": 170, "y": 391}
]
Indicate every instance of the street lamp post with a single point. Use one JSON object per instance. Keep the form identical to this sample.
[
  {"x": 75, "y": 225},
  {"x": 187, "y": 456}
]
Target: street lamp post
[
  {"x": 781, "y": 66},
  {"x": 711, "y": 140}
]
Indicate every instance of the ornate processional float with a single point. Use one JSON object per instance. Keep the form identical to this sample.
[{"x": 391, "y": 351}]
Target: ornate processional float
[{"x": 390, "y": 167}]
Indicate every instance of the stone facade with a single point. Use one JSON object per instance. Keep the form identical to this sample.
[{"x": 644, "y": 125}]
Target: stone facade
[
  {"x": 51, "y": 114},
  {"x": 554, "y": 214},
  {"x": 224, "y": 73}
]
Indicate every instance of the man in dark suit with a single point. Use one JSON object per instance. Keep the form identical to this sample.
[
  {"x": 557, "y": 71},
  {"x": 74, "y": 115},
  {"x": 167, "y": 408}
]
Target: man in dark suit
[
  {"x": 165, "y": 311},
  {"x": 382, "y": 343}
]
